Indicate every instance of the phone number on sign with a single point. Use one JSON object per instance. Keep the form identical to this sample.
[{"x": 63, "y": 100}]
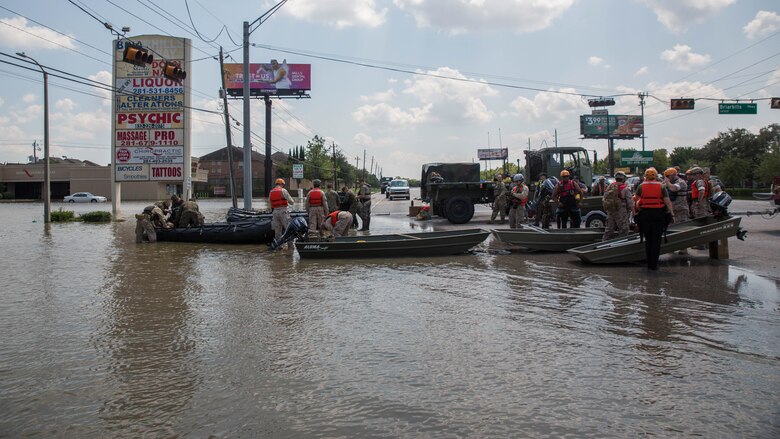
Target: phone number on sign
[
  {"x": 148, "y": 143},
  {"x": 159, "y": 90}
]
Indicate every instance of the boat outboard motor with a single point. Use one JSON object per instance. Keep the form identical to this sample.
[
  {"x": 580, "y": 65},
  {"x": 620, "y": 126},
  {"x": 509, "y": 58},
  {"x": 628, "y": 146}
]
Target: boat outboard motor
[
  {"x": 719, "y": 204},
  {"x": 296, "y": 229}
]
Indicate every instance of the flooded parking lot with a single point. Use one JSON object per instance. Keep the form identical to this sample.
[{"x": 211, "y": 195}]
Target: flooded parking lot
[{"x": 103, "y": 337}]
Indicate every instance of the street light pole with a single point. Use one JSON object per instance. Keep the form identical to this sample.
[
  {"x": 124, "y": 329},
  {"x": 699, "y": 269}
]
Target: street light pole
[{"x": 46, "y": 175}]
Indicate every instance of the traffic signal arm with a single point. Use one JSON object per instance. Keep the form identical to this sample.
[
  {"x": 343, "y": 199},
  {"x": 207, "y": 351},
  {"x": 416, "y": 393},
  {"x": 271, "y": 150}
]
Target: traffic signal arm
[
  {"x": 136, "y": 54},
  {"x": 682, "y": 104},
  {"x": 174, "y": 72}
]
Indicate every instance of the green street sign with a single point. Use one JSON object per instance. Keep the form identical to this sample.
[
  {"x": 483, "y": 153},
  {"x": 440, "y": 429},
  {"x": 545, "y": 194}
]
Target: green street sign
[
  {"x": 636, "y": 158},
  {"x": 737, "y": 108}
]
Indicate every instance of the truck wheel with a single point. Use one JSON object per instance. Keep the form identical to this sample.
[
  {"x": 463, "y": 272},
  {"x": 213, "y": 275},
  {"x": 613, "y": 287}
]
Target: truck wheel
[
  {"x": 460, "y": 210},
  {"x": 596, "y": 219}
]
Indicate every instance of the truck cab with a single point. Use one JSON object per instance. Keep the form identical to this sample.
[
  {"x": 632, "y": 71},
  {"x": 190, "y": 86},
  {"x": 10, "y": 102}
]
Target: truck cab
[
  {"x": 452, "y": 189},
  {"x": 554, "y": 160}
]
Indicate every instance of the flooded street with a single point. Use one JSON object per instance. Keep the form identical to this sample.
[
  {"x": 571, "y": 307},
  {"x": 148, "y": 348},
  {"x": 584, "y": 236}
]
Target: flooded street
[{"x": 103, "y": 337}]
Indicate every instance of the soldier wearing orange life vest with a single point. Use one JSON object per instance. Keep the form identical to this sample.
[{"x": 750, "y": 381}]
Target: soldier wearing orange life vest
[
  {"x": 280, "y": 199},
  {"x": 518, "y": 198},
  {"x": 700, "y": 194},
  {"x": 316, "y": 206},
  {"x": 338, "y": 222},
  {"x": 568, "y": 193},
  {"x": 650, "y": 212}
]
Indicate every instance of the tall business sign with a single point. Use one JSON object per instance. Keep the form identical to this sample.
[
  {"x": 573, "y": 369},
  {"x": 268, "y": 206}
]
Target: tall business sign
[{"x": 151, "y": 116}]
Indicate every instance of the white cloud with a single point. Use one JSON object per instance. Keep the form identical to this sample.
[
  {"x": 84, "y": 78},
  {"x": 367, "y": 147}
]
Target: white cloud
[
  {"x": 72, "y": 127},
  {"x": 65, "y": 104},
  {"x": 642, "y": 71},
  {"x": 681, "y": 57},
  {"x": 380, "y": 96},
  {"x": 677, "y": 15},
  {"x": 339, "y": 13},
  {"x": 484, "y": 15},
  {"x": 18, "y": 34},
  {"x": 764, "y": 24},
  {"x": 28, "y": 114},
  {"x": 549, "y": 105},
  {"x": 384, "y": 116},
  {"x": 104, "y": 77},
  {"x": 595, "y": 60},
  {"x": 1, "y": 101},
  {"x": 28, "y": 98},
  {"x": 671, "y": 90}
]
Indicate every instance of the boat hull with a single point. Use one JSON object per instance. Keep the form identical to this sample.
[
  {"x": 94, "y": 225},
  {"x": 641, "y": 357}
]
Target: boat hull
[
  {"x": 558, "y": 240},
  {"x": 679, "y": 237},
  {"x": 253, "y": 232},
  {"x": 238, "y": 215},
  {"x": 394, "y": 245}
]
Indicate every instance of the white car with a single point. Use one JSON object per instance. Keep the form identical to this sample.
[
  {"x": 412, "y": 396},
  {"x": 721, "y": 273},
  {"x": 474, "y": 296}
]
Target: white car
[
  {"x": 84, "y": 197},
  {"x": 397, "y": 189}
]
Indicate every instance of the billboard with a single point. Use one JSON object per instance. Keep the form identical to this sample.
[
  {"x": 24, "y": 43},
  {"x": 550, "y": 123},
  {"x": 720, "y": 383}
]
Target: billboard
[
  {"x": 611, "y": 126},
  {"x": 151, "y": 121},
  {"x": 636, "y": 158},
  {"x": 269, "y": 79},
  {"x": 493, "y": 154}
]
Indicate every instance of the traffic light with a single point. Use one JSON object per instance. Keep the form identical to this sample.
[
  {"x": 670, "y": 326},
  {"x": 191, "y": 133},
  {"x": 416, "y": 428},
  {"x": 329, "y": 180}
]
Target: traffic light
[
  {"x": 136, "y": 54},
  {"x": 775, "y": 103},
  {"x": 172, "y": 71},
  {"x": 682, "y": 104},
  {"x": 608, "y": 102}
]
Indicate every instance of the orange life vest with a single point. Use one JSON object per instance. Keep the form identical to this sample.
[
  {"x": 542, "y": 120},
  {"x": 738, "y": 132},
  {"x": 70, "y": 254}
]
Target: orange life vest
[
  {"x": 277, "y": 198},
  {"x": 333, "y": 217},
  {"x": 315, "y": 197},
  {"x": 620, "y": 191},
  {"x": 516, "y": 200},
  {"x": 651, "y": 196},
  {"x": 695, "y": 190}
]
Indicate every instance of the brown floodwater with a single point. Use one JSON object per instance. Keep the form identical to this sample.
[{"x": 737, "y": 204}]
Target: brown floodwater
[{"x": 103, "y": 337}]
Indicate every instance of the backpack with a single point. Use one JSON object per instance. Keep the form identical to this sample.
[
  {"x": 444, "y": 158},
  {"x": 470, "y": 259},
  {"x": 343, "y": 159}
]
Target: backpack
[{"x": 611, "y": 200}]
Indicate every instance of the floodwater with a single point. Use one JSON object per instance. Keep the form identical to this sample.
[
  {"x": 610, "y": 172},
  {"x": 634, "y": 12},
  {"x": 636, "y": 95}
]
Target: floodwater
[{"x": 103, "y": 337}]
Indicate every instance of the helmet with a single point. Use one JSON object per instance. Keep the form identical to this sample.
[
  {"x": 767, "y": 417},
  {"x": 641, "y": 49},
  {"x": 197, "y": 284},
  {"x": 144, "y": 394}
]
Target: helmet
[
  {"x": 316, "y": 183},
  {"x": 564, "y": 173},
  {"x": 688, "y": 172},
  {"x": 518, "y": 177},
  {"x": 620, "y": 174},
  {"x": 651, "y": 173},
  {"x": 279, "y": 181},
  {"x": 696, "y": 170},
  {"x": 669, "y": 172}
]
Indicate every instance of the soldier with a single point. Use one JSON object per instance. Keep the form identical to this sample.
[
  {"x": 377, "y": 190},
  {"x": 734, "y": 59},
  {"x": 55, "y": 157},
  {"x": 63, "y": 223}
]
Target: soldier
[
  {"x": 542, "y": 196},
  {"x": 568, "y": 193},
  {"x": 652, "y": 197},
  {"x": 316, "y": 206},
  {"x": 280, "y": 199},
  {"x": 499, "y": 201},
  {"x": 154, "y": 213},
  {"x": 678, "y": 194},
  {"x": 338, "y": 222},
  {"x": 618, "y": 203},
  {"x": 144, "y": 230},
  {"x": 599, "y": 187},
  {"x": 349, "y": 203},
  {"x": 190, "y": 215},
  {"x": 333, "y": 198},
  {"x": 176, "y": 206},
  {"x": 364, "y": 196},
  {"x": 518, "y": 198},
  {"x": 700, "y": 192}
]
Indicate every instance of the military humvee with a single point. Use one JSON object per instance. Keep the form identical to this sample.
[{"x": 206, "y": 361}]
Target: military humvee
[{"x": 452, "y": 189}]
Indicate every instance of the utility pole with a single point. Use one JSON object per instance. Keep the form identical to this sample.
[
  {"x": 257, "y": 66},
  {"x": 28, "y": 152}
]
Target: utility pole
[
  {"x": 357, "y": 163},
  {"x": 228, "y": 136},
  {"x": 46, "y": 172},
  {"x": 267, "y": 173},
  {"x": 335, "y": 179},
  {"x": 642, "y": 103},
  {"x": 371, "y": 169},
  {"x": 556, "y": 137}
]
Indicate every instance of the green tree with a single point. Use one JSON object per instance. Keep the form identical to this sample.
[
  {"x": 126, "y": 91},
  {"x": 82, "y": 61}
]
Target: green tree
[
  {"x": 685, "y": 156},
  {"x": 661, "y": 159},
  {"x": 769, "y": 168},
  {"x": 733, "y": 171}
]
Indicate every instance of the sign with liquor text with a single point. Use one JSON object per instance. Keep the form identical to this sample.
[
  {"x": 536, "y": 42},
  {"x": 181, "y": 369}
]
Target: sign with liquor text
[
  {"x": 493, "y": 154},
  {"x": 611, "y": 126},
  {"x": 737, "y": 108},
  {"x": 636, "y": 158},
  {"x": 277, "y": 79},
  {"x": 151, "y": 127}
]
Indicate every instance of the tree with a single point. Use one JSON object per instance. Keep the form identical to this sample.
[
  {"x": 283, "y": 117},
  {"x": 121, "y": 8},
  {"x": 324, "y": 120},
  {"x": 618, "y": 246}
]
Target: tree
[
  {"x": 733, "y": 170},
  {"x": 685, "y": 156},
  {"x": 660, "y": 159},
  {"x": 769, "y": 167}
]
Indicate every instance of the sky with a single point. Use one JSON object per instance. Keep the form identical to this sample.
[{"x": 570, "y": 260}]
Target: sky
[{"x": 408, "y": 81}]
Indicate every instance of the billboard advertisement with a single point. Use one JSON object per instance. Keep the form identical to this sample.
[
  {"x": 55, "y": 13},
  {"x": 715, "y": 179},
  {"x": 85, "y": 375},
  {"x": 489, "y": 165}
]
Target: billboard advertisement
[
  {"x": 611, "y": 126},
  {"x": 636, "y": 158},
  {"x": 151, "y": 118},
  {"x": 493, "y": 154},
  {"x": 279, "y": 79}
]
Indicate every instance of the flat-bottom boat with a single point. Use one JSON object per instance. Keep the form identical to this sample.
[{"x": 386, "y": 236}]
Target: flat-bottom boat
[
  {"x": 551, "y": 240},
  {"x": 394, "y": 245},
  {"x": 678, "y": 237},
  {"x": 239, "y": 215},
  {"x": 250, "y": 232}
]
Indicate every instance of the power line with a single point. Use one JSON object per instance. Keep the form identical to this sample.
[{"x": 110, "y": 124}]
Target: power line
[{"x": 55, "y": 43}]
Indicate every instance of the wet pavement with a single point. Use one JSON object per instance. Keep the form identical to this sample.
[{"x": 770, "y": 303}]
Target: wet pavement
[{"x": 103, "y": 337}]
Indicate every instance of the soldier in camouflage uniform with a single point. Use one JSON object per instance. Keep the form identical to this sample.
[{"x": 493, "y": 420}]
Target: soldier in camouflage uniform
[
  {"x": 364, "y": 195},
  {"x": 499, "y": 202}
]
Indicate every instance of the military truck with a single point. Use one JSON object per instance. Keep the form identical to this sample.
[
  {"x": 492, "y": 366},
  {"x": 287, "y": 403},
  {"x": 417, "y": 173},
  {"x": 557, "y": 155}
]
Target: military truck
[
  {"x": 452, "y": 189},
  {"x": 575, "y": 160}
]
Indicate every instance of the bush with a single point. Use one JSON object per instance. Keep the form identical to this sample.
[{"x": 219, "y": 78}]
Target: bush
[
  {"x": 95, "y": 217},
  {"x": 62, "y": 216}
]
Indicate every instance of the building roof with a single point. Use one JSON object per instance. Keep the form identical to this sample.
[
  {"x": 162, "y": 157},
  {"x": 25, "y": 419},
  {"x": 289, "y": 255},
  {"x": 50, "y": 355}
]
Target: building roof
[{"x": 238, "y": 155}]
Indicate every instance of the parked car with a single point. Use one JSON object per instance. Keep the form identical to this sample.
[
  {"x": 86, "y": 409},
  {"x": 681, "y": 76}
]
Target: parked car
[
  {"x": 84, "y": 197},
  {"x": 397, "y": 189},
  {"x": 384, "y": 182}
]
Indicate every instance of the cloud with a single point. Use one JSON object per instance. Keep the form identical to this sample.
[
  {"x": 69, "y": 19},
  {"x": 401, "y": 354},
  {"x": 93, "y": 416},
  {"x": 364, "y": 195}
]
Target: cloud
[
  {"x": 28, "y": 98},
  {"x": 65, "y": 104},
  {"x": 440, "y": 100},
  {"x": 595, "y": 60},
  {"x": 677, "y": 15},
  {"x": 18, "y": 34},
  {"x": 338, "y": 13},
  {"x": 764, "y": 24},
  {"x": 549, "y": 105},
  {"x": 670, "y": 90},
  {"x": 2, "y": 101},
  {"x": 642, "y": 71},
  {"x": 484, "y": 15},
  {"x": 28, "y": 114},
  {"x": 104, "y": 77},
  {"x": 681, "y": 57},
  {"x": 380, "y": 96}
]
